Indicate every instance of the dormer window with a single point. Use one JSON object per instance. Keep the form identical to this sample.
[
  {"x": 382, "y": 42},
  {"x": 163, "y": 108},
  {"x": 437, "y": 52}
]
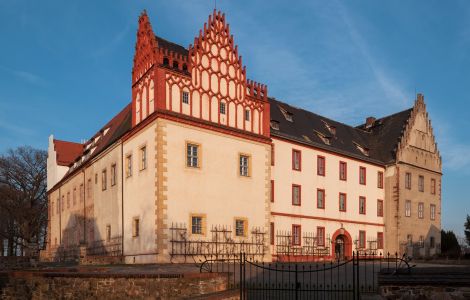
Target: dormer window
[
  {"x": 331, "y": 129},
  {"x": 325, "y": 139},
  {"x": 363, "y": 149},
  {"x": 307, "y": 138},
  {"x": 274, "y": 125},
  {"x": 105, "y": 131},
  {"x": 286, "y": 114}
]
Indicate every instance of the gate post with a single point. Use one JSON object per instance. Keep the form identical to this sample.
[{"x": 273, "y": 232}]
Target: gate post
[
  {"x": 241, "y": 276},
  {"x": 358, "y": 291}
]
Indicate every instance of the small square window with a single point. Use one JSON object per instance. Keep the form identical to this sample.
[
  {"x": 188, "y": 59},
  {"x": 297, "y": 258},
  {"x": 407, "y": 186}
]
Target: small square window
[
  {"x": 240, "y": 227},
  {"x": 192, "y": 155},
  {"x": 185, "y": 97},
  {"x": 222, "y": 108},
  {"x": 244, "y": 165},
  {"x": 196, "y": 225}
]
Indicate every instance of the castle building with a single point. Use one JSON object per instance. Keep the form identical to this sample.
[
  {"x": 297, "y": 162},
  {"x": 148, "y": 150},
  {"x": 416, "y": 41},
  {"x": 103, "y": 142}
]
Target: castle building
[{"x": 202, "y": 161}]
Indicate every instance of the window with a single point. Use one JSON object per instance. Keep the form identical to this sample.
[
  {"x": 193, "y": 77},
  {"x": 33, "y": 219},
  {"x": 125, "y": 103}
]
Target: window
[
  {"x": 74, "y": 196},
  {"x": 240, "y": 227},
  {"x": 244, "y": 165},
  {"x": 68, "y": 200},
  {"x": 321, "y": 198},
  {"x": 143, "y": 158},
  {"x": 103, "y": 180},
  {"x": 380, "y": 208},
  {"x": 52, "y": 209},
  {"x": 286, "y": 114},
  {"x": 408, "y": 208},
  {"x": 362, "y": 175},
  {"x": 432, "y": 242},
  {"x": 272, "y": 154},
  {"x": 296, "y": 160},
  {"x": 296, "y": 196},
  {"x": 108, "y": 233},
  {"x": 409, "y": 240},
  {"x": 380, "y": 240},
  {"x": 408, "y": 181},
  {"x": 129, "y": 166},
  {"x": 192, "y": 155},
  {"x": 185, "y": 97},
  {"x": 296, "y": 235},
  {"x": 433, "y": 211},
  {"x": 380, "y": 180},
  {"x": 88, "y": 188},
  {"x": 421, "y": 241},
  {"x": 196, "y": 224},
  {"x": 420, "y": 210},
  {"x": 222, "y": 108},
  {"x": 362, "y": 239},
  {"x": 321, "y": 236},
  {"x": 271, "y": 231},
  {"x": 274, "y": 124},
  {"x": 247, "y": 115},
  {"x": 433, "y": 186},
  {"x": 96, "y": 178},
  {"x": 113, "y": 174},
  {"x": 57, "y": 210},
  {"x": 62, "y": 203},
  {"x": 135, "y": 227},
  {"x": 81, "y": 193},
  {"x": 321, "y": 165},
  {"x": 362, "y": 205},
  {"x": 343, "y": 170},
  {"x": 342, "y": 202},
  {"x": 421, "y": 183},
  {"x": 272, "y": 190}
]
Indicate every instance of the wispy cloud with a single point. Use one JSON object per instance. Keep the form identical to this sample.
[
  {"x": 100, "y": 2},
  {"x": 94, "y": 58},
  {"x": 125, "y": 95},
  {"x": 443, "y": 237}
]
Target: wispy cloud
[
  {"x": 113, "y": 43},
  {"x": 25, "y": 76}
]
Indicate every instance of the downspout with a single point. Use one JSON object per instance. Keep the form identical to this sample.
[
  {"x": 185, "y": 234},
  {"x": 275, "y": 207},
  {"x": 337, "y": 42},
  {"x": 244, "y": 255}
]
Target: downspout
[
  {"x": 60, "y": 218},
  {"x": 84, "y": 207}
]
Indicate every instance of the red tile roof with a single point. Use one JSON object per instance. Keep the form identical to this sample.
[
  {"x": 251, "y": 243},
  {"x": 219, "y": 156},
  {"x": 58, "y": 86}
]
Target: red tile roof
[{"x": 67, "y": 152}]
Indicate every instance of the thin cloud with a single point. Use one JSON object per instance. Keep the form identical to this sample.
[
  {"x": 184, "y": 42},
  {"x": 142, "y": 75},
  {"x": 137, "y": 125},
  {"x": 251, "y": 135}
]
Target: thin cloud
[
  {"x": 25, "y": 76},
  {"x": 112, "y": 44}
]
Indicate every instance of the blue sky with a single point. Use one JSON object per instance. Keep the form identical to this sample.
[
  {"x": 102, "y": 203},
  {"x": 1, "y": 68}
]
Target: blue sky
[{"x": 65, "y": 66}]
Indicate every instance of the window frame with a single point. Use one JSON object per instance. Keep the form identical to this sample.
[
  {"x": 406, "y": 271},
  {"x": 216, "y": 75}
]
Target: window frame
[
  {"x": 247, "y": 115},
  {"x": 294, "y": 186},
  {"x": 319, "y": 192},
  {"x": 408, "y": 180},
  {"x": 223, "y": 108},
  {"x": 135, "y": 227},
  {"x": 108, "y": 233},
  {"x": 183, "y": 97},
  {"x": 345, "y": 202},
  {"x": 421, "y": 183},
  {"x": 408, "y": 208},
  {"x": 380, "y": 240},
  {"x": 271, "y": 233},
  {"x": 321, "y": 242},
  {"x": 296, "y": 154},
  {"x": 362, "y": 239},
  {"x": 380, "y": 179},
  {"x": 345, "y": 164},
  {"x": 432, "y": 212},
  {"x": 433, "y": 186},
  {"x": 380, "y": 204},
  {"x": 272, "y": 191},
  {"x": 143, "y": 157},
  {"x": 321, "y": 165},
  {"x": 294, "y": 241},
  {"x": 365, "y": 205},
  {"x": 113, "y": 174},
  {"x": 420, "y": 210},
  {"x": 104, "y": 179},
  {"x": 190, "y": 157},
  {"x": 129, "y": 165},
  {"x": 362, "y": 175},
  {"x": 202, "y": 227},
  {"x": 245, "y": 226},
  {"x": 240, "y": 166}
]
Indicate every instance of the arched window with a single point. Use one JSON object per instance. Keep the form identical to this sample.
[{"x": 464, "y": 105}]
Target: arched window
[
  {"x": 166, "y": 62},
  {"x": 175, "y": 64}
]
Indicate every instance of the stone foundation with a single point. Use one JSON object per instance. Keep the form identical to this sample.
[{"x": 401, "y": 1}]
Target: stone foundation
[{"x": 35, "y": 285}]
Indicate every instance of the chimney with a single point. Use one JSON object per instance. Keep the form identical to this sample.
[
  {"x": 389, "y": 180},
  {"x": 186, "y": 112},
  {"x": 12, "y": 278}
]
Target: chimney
[{"x": 370, "y": 122}]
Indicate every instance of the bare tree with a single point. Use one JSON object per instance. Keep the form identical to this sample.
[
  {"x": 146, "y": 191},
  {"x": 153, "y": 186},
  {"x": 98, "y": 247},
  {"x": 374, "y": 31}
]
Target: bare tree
[{"x": 23, "y": 199}]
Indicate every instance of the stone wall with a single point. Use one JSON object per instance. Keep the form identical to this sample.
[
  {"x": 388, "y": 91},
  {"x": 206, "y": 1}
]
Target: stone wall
[
  {"x": 424, "y": 292},
  {"x": 15, "y": 262},
  {"x": 33, "y": 285}
]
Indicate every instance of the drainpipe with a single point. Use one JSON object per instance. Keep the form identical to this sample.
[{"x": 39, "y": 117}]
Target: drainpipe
[
  {"x": 84, "y": 207},
  {"x": 122, "y": 197}
]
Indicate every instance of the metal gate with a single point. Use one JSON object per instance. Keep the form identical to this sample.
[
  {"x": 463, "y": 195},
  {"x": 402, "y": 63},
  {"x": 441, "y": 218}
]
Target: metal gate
[{"x": 339, "y": 279}]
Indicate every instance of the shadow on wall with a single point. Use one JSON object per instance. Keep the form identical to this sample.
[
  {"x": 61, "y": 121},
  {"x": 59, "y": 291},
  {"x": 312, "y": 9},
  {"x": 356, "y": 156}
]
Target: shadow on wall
[
  {"x": 81, "y": 232},
  {"x": 425, "y": 246}
]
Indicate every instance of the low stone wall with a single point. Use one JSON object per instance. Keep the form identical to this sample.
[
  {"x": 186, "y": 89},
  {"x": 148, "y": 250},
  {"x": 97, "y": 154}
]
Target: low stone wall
[
  {"x": 424, "y": 292},
  {"x": 100, "y": 260},
  {"x": 36, "y": 285},
  {"x": 15, "y": 262}
]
